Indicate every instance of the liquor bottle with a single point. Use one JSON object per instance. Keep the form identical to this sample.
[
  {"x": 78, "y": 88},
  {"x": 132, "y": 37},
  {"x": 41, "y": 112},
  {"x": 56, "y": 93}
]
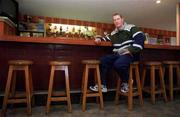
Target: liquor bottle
[
  {"x": 60, "y": 31},
  {"x": 73, "y": 32},
  {"x": 67, "y": 32},
  {"x": 79, "y": 31}
]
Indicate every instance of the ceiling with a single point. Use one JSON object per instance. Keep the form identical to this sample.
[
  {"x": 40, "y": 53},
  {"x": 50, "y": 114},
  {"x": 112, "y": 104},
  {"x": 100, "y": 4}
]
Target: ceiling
[{"x": 143, "y": 13}]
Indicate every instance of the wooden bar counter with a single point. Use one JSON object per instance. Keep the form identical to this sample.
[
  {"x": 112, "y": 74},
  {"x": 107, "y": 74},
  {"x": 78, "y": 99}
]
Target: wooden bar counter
[{"x": 42, "y": 50}]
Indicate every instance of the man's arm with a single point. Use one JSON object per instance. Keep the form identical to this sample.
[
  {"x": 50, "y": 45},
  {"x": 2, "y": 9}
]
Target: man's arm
[{"x": 139, "y": 38}]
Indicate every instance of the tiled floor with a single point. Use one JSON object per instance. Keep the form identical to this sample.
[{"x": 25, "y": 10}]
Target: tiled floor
[{"x": 160, "y": 109}]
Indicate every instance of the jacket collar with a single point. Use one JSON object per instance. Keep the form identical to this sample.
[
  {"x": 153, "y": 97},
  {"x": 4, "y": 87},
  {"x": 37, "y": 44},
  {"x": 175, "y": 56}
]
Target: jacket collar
[{"x": 121, "y": 28}]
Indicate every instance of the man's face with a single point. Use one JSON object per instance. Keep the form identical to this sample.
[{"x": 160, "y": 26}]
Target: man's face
[{"x": 118, "y": 21}]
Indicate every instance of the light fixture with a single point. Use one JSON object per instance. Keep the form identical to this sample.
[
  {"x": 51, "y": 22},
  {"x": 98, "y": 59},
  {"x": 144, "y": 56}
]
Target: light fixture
[{"x": 158, "y": 1}]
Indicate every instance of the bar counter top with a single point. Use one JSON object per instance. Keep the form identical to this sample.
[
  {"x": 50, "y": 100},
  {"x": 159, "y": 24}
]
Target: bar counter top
[{"x": 72, "y": 41}]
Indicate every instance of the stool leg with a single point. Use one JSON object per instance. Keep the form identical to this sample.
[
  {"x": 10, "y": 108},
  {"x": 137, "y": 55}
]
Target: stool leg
[
  {"x": 171, "y": 82},
  {"x": 130, "y": 92},
  {"x": 83, "y": 79},
  {"x": 50, "y": 89},
  {"x": 28, "y": 92},
  {"x": 178, "y": 75},
  {"x": 68, "y": 89},
  {"x": 85, "y": 88},
  {"x": 31, "y": 82},
  {"x": 143, "y": 77},
  {"x": 162, "y": 83},
  {"x": 99, "y": 87},
  {"x": 12, "y": 92},
  {"x": 152, "y": 72},
  {"x": 82, "y": 85},
  {"x": 139, "y": 85},
  {"x": 13, "y": 87},
  {"x": 96, "y": 82},
  {"x": 7, "y": 90},
  {"x": 117, "y": 91}
]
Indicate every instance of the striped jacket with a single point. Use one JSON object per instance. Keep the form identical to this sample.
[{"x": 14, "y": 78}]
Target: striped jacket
[{"x": 129, "y": 37}]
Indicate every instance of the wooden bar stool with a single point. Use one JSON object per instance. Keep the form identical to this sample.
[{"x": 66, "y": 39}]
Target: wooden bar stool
[
  {"x": 170, "y": 65},
  {"x": 153, "y": 66},
  {"x": 61, "y": 96},
  {"x": 91, "y": 64},
  {"x": 10, "y": 96},
  {"x": 132, "y": 92}
]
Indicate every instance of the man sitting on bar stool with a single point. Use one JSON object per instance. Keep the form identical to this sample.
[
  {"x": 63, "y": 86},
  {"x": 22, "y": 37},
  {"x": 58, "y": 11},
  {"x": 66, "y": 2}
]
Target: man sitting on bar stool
[{"x": 128, "y": 42}]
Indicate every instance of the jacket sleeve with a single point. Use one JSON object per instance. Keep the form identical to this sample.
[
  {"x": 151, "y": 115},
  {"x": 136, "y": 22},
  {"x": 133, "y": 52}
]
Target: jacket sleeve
[
  {"x": 106, "y": 38},
  {"x": 138, "y": 37}
]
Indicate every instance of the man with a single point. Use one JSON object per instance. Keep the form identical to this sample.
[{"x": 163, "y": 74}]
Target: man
[{"x": 128, "y": 42}]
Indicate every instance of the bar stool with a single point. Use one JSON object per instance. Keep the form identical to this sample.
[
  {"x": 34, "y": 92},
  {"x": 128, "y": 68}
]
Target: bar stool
[
  {"x": 63, "y": 66},
  {"x": 132, "y": 92},
  {"x": 170, "y": 65},
  {"x": 10, "y": 96},
  {"x": 91, "y": 64},
  {"x": 153, "y": 66}
]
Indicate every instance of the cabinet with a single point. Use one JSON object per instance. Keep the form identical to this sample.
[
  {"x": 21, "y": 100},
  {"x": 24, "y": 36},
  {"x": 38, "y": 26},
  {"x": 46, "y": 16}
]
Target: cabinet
[
  {"x": 7, "y": 27},
  {"x": 32, "y": 29}
]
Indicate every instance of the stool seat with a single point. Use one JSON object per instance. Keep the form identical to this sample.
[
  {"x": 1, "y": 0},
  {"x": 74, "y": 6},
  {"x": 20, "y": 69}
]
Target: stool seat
[
  {"x": 20, "y": 62},
  {"x": 172, "y": 62},
  {"x": 59, "y": 63},
  {"x": 135, "y": 63},
  {"x": 155, "y": 63},
  {"x": 90, "y": 61}
]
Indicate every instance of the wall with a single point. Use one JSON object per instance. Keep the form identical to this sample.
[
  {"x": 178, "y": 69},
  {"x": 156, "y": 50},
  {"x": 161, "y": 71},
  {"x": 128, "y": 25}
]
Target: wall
[{"x": 101, "y": 27}]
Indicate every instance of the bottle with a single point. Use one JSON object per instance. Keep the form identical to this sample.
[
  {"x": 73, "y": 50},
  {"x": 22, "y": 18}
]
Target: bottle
[
  {"x": 60, "y": 31},
  {"x": 79, "y": 32},
  {"x": 67, "y": 32},
  {"x": 73, "y": 32}
]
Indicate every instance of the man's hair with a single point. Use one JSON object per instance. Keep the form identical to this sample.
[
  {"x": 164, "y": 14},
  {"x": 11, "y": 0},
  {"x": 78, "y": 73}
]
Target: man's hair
[{"x": 117, "y": 14}]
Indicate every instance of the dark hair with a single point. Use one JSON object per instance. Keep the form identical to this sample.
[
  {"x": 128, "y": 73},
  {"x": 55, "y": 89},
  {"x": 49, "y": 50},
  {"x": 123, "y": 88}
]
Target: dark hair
[{"x": 117, "y": 14}]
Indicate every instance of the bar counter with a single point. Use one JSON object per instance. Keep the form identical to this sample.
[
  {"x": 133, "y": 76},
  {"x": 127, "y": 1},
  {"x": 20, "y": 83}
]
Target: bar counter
[{"x": 42, "y": 50}]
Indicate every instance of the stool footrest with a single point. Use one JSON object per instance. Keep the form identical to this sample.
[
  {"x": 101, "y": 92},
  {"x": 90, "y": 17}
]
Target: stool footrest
[
  {"x": 174, "y": 87},
  {"x": 93, "y": 95},
  {"x": 11, "y": 101},
  {"x": 148, "y": 90},
  {"x": 58, "y": 99},
  {"x": 19, "y": 95},
  {"x": 126, "y": 94}
]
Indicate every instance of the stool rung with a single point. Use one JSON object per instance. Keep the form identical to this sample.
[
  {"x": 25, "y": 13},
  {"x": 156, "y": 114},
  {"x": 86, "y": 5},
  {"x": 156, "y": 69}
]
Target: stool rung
[
  {"x": 126, "y": 94},
  {"x": 92, "y": 95},
  {"x": 176, "y": 88},
  {"x": 148, "y": 90},
  {"x": 16, "y": 101},
  {"x": 18, "y": 95},
  {"x": 59, "y": 99}
]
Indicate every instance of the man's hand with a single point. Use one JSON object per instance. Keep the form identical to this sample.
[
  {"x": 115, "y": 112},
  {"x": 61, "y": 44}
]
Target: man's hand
[
  {"x": 97, "y": 39},
  {"x": 121, "y": 51}
]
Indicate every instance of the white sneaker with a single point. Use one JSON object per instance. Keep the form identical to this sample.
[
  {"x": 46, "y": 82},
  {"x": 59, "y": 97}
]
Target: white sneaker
[
  {"x": 124, "y": 87},
  {"x": 95, "y": 88}
]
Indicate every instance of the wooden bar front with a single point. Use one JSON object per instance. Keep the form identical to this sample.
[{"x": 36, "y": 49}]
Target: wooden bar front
[{"x": 43, "y": 50}]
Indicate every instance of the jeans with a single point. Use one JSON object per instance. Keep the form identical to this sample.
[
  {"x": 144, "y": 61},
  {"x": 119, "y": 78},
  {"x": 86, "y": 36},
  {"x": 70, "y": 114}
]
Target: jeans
[{"x": 118, "y": 62}]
